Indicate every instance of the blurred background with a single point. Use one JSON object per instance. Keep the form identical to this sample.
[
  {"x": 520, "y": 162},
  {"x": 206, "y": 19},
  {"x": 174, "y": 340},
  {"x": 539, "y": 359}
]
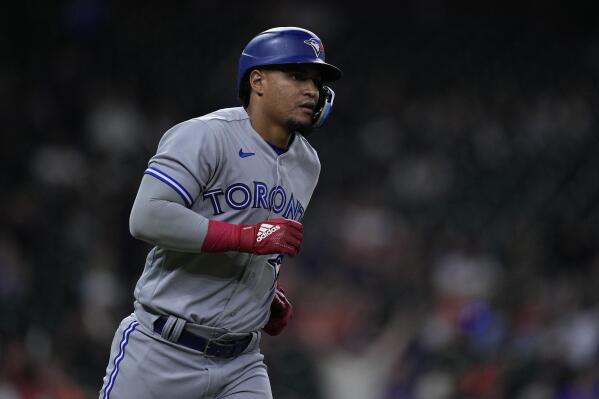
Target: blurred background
[{"x": 451, "y": 247}]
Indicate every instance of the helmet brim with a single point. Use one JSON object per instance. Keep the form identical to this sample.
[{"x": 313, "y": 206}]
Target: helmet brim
[{"x": 329, "y": 72}]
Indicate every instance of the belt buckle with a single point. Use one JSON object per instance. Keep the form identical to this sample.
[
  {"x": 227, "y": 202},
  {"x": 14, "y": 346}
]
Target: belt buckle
[
  {"x": 207, "y": 348},
  {"x": 219, "y": 349}
]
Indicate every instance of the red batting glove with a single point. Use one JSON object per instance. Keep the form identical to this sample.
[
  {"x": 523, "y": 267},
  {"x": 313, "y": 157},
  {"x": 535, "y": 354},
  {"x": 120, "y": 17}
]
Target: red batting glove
[
  {"x": 273, "y": 236},
  {"x": 281, "y": 312}
]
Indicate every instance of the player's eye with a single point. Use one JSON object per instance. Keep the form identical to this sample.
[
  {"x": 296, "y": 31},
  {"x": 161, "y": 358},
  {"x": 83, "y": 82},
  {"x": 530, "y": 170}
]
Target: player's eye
[{"x": 302, "y": 76}]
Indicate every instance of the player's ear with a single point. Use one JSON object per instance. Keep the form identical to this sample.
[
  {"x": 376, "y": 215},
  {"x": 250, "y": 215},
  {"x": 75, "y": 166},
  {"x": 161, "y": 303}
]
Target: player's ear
[{"x": 256, "y": 81}]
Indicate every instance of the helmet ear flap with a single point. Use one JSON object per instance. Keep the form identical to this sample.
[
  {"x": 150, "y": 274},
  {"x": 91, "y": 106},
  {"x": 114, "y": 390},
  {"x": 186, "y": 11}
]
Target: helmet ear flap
[{"x": 323, "y": 108}]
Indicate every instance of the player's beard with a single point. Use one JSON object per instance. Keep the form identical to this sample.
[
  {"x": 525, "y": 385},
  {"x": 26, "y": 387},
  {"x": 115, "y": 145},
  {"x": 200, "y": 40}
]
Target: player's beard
[{"x": 299, "y": 127}]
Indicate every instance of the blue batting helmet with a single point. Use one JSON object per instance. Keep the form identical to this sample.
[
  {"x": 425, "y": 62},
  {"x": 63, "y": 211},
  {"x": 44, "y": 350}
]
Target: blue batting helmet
[{"x": 286, "y": 45}]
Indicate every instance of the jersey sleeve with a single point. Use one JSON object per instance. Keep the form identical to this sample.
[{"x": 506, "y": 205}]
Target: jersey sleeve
[
  {"x": 158, "y": 218},
  {"x": 186, "y": 159}
]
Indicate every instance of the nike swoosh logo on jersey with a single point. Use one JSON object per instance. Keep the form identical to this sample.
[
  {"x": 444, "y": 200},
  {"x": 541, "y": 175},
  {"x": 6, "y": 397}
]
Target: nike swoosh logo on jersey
[{"x": 245, "y": 154}]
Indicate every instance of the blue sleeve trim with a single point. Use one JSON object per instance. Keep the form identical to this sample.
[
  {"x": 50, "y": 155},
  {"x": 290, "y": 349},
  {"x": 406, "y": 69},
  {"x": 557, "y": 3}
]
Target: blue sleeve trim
[{"x": 171, "y": 182}]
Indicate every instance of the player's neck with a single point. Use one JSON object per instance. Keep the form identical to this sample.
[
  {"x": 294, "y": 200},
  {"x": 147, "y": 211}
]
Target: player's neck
[{"x": 272, "y": 133}]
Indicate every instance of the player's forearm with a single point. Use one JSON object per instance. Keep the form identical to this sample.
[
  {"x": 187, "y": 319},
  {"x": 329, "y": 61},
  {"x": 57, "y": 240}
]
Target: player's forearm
[{"x": 159, "y": 218}]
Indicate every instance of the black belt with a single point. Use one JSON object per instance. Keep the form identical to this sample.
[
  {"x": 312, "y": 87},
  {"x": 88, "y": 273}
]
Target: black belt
[{"x": 224, "y": 349}]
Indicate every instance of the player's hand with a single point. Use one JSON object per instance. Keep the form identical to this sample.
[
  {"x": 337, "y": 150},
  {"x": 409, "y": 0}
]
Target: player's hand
[
  {"x": 273, "y": 236},
  {"x": 281, "y": 312}
]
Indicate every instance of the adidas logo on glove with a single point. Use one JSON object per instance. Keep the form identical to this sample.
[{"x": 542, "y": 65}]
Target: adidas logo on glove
[{"x": 266, "y": 230}]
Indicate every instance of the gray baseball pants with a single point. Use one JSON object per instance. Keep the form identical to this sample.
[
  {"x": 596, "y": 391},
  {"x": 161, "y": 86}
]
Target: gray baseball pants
[{"x": 142, "y": 365}]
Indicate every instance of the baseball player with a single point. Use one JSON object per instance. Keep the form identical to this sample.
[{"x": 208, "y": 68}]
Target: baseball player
[{"x": 222, "y": 202}]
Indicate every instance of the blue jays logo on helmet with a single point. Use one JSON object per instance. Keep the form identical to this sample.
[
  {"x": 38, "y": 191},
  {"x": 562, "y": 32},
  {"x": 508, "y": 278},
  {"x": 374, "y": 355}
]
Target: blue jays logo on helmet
[{"x": 316, "y": 46}]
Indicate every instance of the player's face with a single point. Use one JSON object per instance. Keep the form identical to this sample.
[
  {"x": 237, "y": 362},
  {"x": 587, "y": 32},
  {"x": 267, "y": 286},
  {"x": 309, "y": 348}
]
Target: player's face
[{"x": 291, "y": 94}]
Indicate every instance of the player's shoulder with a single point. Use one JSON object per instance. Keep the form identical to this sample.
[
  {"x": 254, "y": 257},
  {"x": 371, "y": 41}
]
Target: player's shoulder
[
  {"x": 223, "y": 122},
  {"x": 305, "y": 146},
  {"x": 208, "y": 125},
  {"x": 307, "y": 150},
  {"x": 224, "y": 116}
]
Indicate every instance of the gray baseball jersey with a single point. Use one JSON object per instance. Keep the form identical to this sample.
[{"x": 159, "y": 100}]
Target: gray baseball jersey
[
  {"x": 223, "y": 169},
  {"x": 218, "y": 167}
]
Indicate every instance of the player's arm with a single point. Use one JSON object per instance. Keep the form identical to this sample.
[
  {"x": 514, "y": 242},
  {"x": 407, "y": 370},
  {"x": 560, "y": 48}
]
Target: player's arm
[{"x": 160, "y": 216}]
